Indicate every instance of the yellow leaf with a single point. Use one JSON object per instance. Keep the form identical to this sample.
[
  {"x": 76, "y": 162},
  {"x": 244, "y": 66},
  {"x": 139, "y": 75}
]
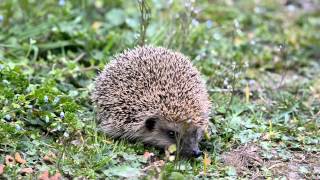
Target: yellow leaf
[
  {"x": 207, "y": 135},
  {"x": 19, "y": 159},
  {"x": 96, "y": 25},
  {"x": 206, "y": 162},
  {"x": 172, "y": 148},
  {"x": 271, "y": 133},
  {"x": 238, "y": 41},
  {"x": 247, "y": 93},
  {"x": 171, "y": 158}
]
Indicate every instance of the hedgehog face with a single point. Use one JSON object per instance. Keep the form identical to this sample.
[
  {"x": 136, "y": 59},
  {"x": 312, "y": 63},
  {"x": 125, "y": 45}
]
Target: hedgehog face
[{"x": 162, "y": 133}]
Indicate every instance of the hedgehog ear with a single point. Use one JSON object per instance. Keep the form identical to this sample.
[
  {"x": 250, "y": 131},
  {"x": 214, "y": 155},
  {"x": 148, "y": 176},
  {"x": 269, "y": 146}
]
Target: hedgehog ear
[{"x": 150, "y": 123}]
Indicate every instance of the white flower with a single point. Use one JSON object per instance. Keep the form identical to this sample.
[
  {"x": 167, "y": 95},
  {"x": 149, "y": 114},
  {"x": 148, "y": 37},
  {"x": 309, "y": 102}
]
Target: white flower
[
  {"x": 225, "y": 82},
  {"x": 209, "y": 23},
  {"x": 246, "y": 64},
  {"x": 62, "y": 115},
  {"x": 195, "y": 22},
  {"x": 47, "y": 119},
  {"x": 7, "y": 117},
  {"x": 233, "y": 65},
  {"x": 56, "y": 100},
  {"x": 65, "y": 134},
  {"x": 46, "y": 99}
]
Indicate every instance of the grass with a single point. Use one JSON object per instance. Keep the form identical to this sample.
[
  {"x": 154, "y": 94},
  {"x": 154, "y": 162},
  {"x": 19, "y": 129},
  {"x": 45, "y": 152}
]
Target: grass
[{"x": 260, "y": 60}]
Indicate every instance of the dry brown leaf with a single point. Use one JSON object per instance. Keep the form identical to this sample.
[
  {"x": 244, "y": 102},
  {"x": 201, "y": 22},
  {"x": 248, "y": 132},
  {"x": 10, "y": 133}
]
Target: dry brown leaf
[
  {"x": 155, "y": 165},
  {"x": 26, "y": 171},
  {"x": 206, "y": 162},
  {"x": 250, "y": 35},
  {"x": 49, "y": 158},
  {"x": 159, "y": 163},
  {"x": 57, "y": 176},
  {"x": 19, "y": 159},
  {"x": 243, "y": 158},
  {"x": 1, "y": 168},
  {"x": 147, "y": 155},
  {"x": 9, "y": 160},
  {"x": 44, "y": 176}
]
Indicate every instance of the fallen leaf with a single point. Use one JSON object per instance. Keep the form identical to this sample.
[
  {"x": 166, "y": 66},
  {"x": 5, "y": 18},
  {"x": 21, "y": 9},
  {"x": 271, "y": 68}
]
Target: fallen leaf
[
  {"x": 172, "y": 148},
  {"x": 147, "y": 155},
  {"x": 206, "y": 162},
  {"x": 247, "y": 93},
  {"x": 19, "y": 159},
  {"x": 76, "y": 142},
  {"x": 96, "y": 25},
  {"x": 159, "y": 163},
  {"x": 49, "y": 158},
  {"x": 155, "y": 165},
  {"x": 44, "y": 176},
  {"x": 207, "y": 135},
  {"x": 25, "y": 171},
  {"x": 57, "y": 176},
  {"x": 250, "y": 35},
  {"x": 9, "y": 160},
  {"x": 108, "y": 142},
  {"x": 172, "y": 158},
  {"x": 1, "y": 168},
  {"x": 238, "y": 41}
]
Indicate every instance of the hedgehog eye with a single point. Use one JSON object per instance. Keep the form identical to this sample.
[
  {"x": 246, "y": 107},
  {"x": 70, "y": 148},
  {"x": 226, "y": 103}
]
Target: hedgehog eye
[
  {"x": 171, "y": 134},
  {"x": 150, "y": 123}
]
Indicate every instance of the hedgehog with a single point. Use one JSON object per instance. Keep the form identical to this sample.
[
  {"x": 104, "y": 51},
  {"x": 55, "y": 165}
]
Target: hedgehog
[{"x": 153, "y": 95}]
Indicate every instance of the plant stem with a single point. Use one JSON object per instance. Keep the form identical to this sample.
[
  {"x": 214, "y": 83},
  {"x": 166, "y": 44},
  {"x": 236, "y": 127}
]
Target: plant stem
[{"x": 144, "y": 20}]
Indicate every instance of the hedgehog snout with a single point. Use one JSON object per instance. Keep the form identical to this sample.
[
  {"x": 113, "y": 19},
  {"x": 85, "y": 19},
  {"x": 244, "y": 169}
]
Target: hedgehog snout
[
  {"x": 197, "y": 153},
  {"x": 192, "y": 151},
  {"x": 190, "y": 143}
]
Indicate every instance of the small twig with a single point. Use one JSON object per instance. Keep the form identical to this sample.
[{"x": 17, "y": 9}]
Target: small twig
[
  {"x": 79, "y": 57},
  {"x": 89, "y": 68},
  {"x": 233, "y": 78},
  {"x": 144, "y": 20},
  {"x": 284, "y": 58},
  {"x": 184, "y": 25},
  {"x": 233, "y": 89},
  {"x": 220, "y": 90},
  {"x": 276, "y": 165},
  {"x": 62, "y": 155}
]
